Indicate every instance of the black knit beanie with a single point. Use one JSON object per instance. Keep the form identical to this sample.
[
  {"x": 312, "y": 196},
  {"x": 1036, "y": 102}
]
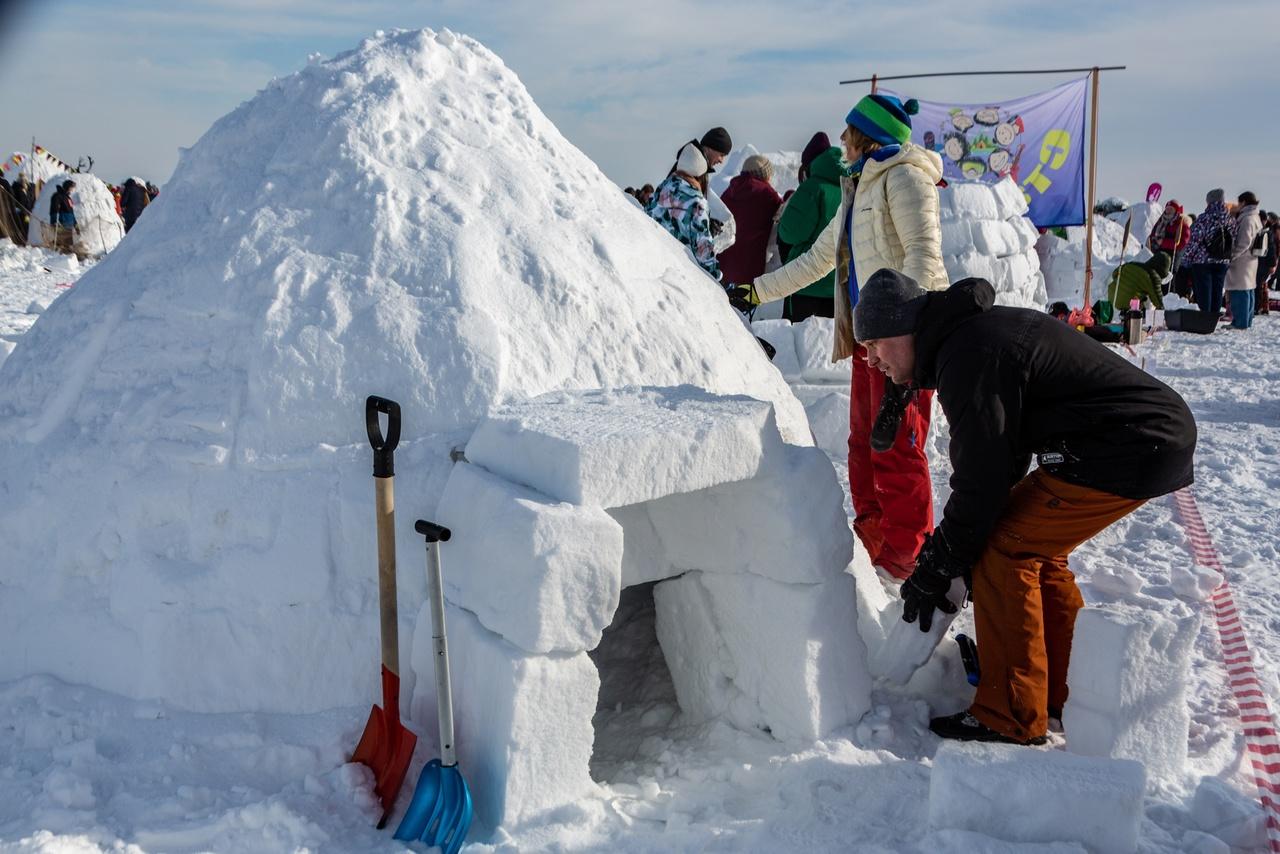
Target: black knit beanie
[
  {"x": 889, "y": 304},
  {"x": 717, "y": 139}
]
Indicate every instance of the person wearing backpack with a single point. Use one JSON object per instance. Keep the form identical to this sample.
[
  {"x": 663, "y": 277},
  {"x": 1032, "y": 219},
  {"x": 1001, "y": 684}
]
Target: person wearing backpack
[
  {"x": 1242, "y": 274},
  {"x": 1209, "y": 252}
]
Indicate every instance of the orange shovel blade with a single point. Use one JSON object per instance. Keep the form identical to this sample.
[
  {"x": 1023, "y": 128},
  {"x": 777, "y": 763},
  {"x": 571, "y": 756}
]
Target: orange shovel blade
[{"x": 386, "y": 746}]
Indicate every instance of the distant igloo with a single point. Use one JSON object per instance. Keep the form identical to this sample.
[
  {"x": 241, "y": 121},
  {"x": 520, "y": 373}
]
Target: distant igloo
[
  {"x": 185, "y": 432},
  {"x": 98, "y": 227}
]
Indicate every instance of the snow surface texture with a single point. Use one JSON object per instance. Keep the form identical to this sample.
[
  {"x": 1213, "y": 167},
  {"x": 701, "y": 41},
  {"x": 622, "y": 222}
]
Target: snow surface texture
[
  {"x": 1129, "y": 671},
  {"x": 986, "y": 234},
  {"x": 756, "y": 619},
  {"x": 33, "y": 278},
  {"x": 1062, "y": 261},
  {"x": 1022, "y": 795},
  {"x": 100, "y": 228},
  {"x": 196, "y": 403}
]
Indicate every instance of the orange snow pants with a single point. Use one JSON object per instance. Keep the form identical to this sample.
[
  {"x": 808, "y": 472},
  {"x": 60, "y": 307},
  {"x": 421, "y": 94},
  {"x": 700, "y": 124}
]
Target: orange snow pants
[
  {"x": 892, "y": 491},
  {"x": 1025, "y": 599}
]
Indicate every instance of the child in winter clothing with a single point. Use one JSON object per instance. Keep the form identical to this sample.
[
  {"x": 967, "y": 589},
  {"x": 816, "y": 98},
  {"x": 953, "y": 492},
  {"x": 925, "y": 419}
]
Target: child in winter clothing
[
  {"x": 680, "y": 206},
  {"x": 1170, "y": 233},
  {"x": 1139, "y": 279},
  {"x": 1014, "y": 382}
]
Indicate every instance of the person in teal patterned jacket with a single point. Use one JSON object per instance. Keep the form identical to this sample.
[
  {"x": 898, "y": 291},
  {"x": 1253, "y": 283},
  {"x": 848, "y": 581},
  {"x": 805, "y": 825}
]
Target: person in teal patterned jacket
[{"x": 681, "y": 208}]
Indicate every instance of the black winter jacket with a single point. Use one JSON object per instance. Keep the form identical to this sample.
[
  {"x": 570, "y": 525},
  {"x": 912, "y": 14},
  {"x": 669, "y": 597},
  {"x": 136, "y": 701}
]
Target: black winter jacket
[{"x": 1015, "y": 382}]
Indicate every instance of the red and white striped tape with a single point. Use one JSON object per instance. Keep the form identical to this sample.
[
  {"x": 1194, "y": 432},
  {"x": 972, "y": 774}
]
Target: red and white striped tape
[{"x": 1255, "y": 714}]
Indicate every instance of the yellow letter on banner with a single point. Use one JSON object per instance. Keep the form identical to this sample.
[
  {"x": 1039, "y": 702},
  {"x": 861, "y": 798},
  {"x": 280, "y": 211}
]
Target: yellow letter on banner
[{"x": 1053, "y": 153}]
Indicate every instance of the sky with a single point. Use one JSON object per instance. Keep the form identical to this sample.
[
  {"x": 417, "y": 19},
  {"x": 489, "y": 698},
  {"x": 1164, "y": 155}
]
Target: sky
[{"x": 129, "y": 82}]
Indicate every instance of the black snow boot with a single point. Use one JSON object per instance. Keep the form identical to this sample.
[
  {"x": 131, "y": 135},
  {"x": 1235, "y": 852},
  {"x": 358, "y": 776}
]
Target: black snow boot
[
  {"x": 893, "y": 404},
  {"x": 963, "y": 726}
]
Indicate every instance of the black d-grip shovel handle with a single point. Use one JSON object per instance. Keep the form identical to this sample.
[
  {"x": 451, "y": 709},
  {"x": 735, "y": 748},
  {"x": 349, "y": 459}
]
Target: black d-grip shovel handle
[
  {"x": 433, "y": 532},
  {"x": 383, "y": 446}
]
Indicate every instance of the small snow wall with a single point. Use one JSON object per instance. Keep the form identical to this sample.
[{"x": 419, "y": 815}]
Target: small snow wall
[{"x": 570, "y": 499}]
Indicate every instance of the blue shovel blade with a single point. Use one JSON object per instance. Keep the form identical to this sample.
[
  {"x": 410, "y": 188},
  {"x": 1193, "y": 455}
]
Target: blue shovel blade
[{"x": 440, "y": 812}]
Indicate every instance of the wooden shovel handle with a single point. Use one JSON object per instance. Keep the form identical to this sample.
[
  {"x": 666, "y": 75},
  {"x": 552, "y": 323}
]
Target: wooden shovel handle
[{"x": 387, "y": 608}]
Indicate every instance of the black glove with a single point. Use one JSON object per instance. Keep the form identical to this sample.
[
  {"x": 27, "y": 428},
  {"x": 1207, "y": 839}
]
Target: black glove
[
  {"x": 926, "y": 590},
  {"x": 743, "y": 297},
  {"x": 716, "y": 227}
]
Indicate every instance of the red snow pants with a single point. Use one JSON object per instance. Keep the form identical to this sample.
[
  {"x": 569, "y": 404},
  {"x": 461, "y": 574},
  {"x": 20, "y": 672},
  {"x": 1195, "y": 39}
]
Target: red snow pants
[
  {"x": 892, "y": 493},
  {"x": 1025, "y": 599}
]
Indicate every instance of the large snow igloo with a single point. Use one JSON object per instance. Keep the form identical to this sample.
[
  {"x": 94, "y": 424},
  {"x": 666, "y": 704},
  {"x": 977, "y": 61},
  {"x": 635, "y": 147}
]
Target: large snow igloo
[{"x": 189, "y": 513}]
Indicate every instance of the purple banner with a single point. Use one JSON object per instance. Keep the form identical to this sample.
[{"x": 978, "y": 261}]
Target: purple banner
[{"x": 1038, "y": 141}]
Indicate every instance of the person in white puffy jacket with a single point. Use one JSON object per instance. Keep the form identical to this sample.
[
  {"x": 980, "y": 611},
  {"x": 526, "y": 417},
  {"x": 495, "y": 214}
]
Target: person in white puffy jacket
[{"x": 888, "y": 219}]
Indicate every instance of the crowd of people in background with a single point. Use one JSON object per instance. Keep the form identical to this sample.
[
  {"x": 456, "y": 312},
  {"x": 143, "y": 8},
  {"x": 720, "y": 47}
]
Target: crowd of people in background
[
  {"x": 18, "y": 208},
  {"x": 1229, "y": 247}
]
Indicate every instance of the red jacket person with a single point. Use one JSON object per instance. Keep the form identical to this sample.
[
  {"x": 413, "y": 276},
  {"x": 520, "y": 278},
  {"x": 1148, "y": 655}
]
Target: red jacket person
[{"x": 1016, "y": 383}]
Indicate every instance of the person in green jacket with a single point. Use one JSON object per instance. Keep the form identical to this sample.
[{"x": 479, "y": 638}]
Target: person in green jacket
[
  {"x": 1138, "y": 279},
  {"x": 808, "y": 211}
]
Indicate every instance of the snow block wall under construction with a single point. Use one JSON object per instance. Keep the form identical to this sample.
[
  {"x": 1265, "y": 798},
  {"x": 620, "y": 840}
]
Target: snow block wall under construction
[{"x": 187, "y": 508}]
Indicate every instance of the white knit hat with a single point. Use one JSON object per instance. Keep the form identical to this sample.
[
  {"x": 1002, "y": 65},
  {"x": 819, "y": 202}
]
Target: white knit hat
[
  {"x": 691, "y": 161},
  {"x": 758, "y": 165}
]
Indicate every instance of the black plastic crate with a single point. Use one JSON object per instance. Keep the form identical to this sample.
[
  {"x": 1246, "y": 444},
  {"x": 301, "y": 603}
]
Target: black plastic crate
[{"x": 1186, "y": 320}]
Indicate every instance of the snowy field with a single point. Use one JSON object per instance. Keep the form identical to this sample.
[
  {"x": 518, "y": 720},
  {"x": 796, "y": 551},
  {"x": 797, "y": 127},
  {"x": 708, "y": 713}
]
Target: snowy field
[{"x": 86, "y": 771}]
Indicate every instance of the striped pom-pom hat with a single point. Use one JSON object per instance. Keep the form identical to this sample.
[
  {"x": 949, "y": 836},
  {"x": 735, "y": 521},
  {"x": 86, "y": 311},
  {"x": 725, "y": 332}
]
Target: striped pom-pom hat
[{"x": 884, "y": 118}]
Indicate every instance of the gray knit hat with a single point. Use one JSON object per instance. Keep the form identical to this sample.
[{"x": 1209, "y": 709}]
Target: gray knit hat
[
  {"x": 889, "y": 304},
  {"x": 1215, "y": 196}
]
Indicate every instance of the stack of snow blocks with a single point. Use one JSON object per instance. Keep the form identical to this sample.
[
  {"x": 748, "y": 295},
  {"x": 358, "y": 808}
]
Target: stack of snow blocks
[
  {"x": 566, "y": 499},
  {"x": 986, "y": 234},
  {"x": 1024, "y": 795},
  {"x": 1130, "y": 667}
]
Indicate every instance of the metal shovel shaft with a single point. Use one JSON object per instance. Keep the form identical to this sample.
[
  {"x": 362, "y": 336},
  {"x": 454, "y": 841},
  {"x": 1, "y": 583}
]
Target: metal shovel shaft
[{"x": 440, "y": 646}]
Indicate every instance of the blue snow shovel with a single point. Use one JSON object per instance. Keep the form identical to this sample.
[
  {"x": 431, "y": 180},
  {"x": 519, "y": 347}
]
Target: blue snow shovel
[{"x": 440, "y": 812}]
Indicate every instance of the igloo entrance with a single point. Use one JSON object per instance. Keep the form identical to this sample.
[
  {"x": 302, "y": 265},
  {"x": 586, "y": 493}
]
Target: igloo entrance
[
  {"x": 637, "y": 699},
  {"x": 670, "y": 508}
]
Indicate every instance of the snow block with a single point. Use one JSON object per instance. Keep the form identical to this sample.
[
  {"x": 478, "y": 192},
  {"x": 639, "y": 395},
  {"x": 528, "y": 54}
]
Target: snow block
[
  {"x": 758, "y": 526},
  {"x": 785, "y": 658},
  {"x": 644, "y": 558},
  {"x": 957, "y": 237},
  {"x": 972, "y": 200},
  {"x": 559, "y": 566},
  {"x": 970, "y": 264},
  {"x": 1010, "y": 200},
  {"x": 1027, "y": 795},
  {"x": 522, "y": 722},
  {"x": 1128, "y": 677},
  {"x": 814, "y": 338},
  {"x": 1028, "y": 234},
  {"x": 995, "y": 237},
  {"x": 903, "y": 648},
  {"x": 827, "y": 407},
  {"x": 618, "y": 447},
  {"x": 780, "y": 334},
  {"x": 1221, "y": 811}
]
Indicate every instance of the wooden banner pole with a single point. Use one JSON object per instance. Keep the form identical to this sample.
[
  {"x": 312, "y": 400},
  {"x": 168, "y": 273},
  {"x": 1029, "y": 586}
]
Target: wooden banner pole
[{"x": 1093, "y": 179}]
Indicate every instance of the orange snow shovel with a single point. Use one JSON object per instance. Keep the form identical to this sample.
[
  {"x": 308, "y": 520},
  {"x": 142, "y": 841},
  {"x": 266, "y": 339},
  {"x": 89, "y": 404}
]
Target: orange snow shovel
[{"x": 386, "y": 746}]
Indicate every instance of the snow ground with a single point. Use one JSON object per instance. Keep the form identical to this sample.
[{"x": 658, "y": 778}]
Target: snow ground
[{"x": 86, "y": 771}]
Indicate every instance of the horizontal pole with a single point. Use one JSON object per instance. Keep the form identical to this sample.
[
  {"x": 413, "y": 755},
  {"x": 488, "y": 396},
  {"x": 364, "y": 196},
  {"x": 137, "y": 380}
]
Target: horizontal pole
[{"x": 879, "y": 78}]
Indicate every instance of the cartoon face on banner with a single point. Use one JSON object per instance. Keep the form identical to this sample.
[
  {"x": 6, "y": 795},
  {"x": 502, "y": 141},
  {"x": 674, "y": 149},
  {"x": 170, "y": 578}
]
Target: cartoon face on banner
[
  {"x": 982, "y": 143},
  {"x": 1036, "y": 140}
]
